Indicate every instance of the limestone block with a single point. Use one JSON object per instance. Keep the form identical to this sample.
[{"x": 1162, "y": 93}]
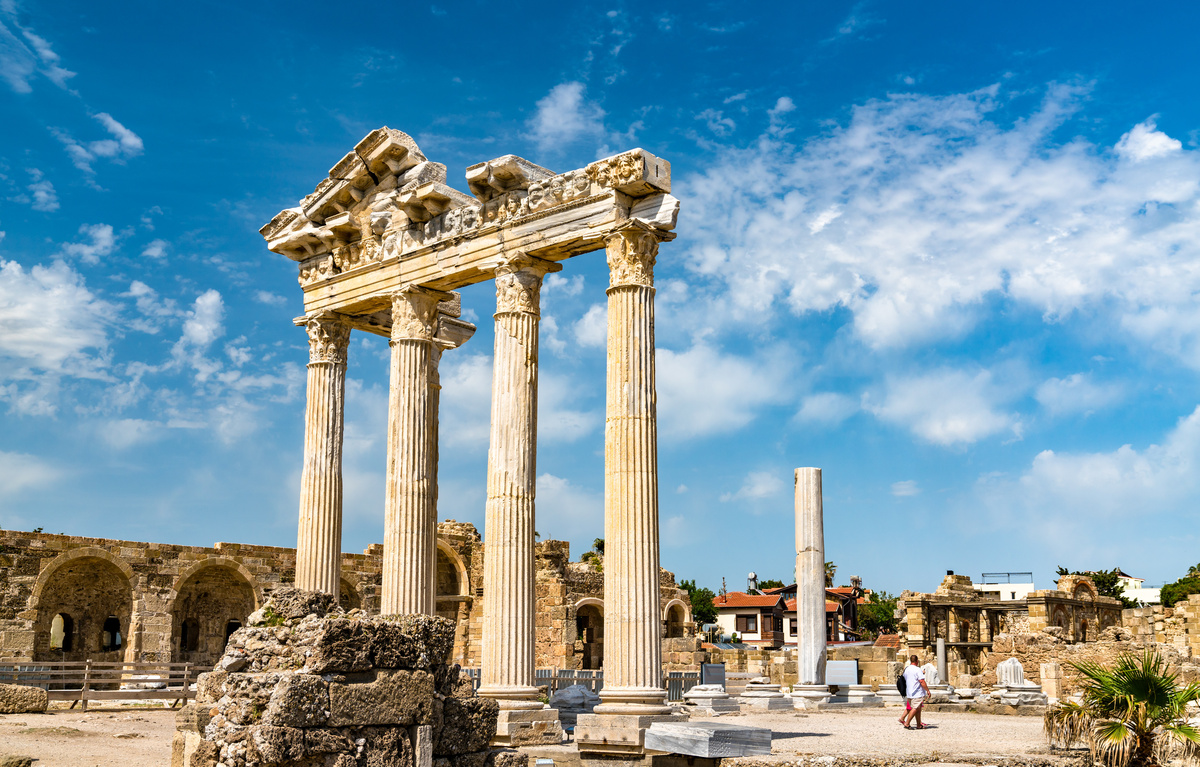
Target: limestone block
[
  {"x": 21, "y": 699},
  {"x": 467, "y": 725},
  {"x": 300, "y": 700},
  {"x": 708, "y": 739},
  {"x": 277, "y": 744},
  {"x": 389, "y": 698}
]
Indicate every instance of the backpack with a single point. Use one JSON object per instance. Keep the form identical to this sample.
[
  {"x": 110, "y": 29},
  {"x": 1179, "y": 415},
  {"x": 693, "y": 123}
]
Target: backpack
[{"x": 902, "y": 683}]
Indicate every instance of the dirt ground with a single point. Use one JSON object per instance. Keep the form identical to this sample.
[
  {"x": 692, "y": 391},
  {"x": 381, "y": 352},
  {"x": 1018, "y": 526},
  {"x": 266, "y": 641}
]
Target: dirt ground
[{"x": 141, "y": 737}]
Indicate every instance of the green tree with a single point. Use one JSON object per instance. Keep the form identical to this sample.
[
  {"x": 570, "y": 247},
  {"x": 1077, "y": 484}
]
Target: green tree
[
  {"x": 830, "y": 571},
  {"x": 1108, "y": 584},
  {"x": 1179, "y": 590},
  {"x": 598, "y": 546},
  {"x": 703, "y": 609},
  {"x": 878, "y": 615},
  {"x": 1132, "y": 715},
  {"x": 770, "y": 584}
]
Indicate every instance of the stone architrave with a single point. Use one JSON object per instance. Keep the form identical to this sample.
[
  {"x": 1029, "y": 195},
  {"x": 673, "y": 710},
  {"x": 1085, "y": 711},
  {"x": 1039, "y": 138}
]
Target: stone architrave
[
  {"x": 319, "y": 539},
  {"x": 410, "y": 512},
  {"x": 810, "y": 574},
  {"x": 633, "y": 696},
  {"x": 508, "y": 568}
]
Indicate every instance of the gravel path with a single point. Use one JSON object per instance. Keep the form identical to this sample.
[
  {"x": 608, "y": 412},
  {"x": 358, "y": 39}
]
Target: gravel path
[{"x": 128, "y": 738}]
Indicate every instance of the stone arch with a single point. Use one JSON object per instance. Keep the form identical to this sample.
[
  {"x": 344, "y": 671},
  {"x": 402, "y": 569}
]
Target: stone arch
[
  {"x": 675, "y": 614},
  {"x": 93, "y": 592},
  {"x": 589, "y": 629},
  {"x": 1060, "y": 617},
  {"x": 451, "y": 566},
  {"x": 212, "y": 598},
  {"x": 1083, "y": 630},
  {"x": 348, "y": 596},
  {"x": 232, "y": 564},
  {"x": 1084, "y": 590}
]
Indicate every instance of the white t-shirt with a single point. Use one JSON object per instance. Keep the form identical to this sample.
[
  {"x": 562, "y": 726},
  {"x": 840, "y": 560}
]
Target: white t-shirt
[{"x": 913, "y": 676}]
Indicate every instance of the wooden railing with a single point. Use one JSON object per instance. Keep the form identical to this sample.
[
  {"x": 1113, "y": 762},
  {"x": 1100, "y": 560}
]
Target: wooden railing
[{"x": 84, "y": 681}]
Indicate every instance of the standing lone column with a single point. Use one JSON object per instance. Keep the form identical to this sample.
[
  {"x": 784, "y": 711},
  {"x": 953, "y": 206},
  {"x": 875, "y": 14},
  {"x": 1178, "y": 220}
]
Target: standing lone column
[
  {"x": 508, "y": 564},
  {"x": 410, "y": 514},
  {"x": 810, "y": 596},
  {"x": 319, "y": 539},
  {"x": 632, "y": 620}
]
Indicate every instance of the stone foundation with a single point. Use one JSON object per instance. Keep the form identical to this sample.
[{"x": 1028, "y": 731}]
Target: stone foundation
[{"x": 306, "y": 685}]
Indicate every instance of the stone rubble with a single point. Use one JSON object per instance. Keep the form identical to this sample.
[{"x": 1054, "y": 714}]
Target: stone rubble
[{"x": 332, "y": 689}]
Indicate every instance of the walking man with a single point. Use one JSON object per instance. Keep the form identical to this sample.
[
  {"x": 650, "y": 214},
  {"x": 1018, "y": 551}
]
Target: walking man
[{"x": 915, "y": 690}]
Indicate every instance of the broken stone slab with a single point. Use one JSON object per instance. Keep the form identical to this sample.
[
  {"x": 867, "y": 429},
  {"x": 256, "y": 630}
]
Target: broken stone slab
[
  {"x": 711, "y": 699},
  {"x": 22, "y": 699},
  {"x": 708, "y": 739}
]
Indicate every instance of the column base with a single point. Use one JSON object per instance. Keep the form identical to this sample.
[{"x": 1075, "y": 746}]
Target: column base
[
  {"x": 809, "y": 695},
  {"x": 528, "y": 727},
  {"x": 619, "y": 734}
]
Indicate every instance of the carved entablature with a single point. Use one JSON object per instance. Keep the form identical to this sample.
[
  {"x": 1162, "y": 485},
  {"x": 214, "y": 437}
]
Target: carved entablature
[
  {"x": 385, "y": 217},
  {"x": 328, "y": 338}
]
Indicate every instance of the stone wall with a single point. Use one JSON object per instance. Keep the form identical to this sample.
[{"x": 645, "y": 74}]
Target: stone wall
[
  {"x": 74, "y": 598},
  {"x": 1178, "y": 625}
]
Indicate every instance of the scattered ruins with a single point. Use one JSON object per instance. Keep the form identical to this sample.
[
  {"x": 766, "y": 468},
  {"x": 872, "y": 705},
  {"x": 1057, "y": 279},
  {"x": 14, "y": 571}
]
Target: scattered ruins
[
  {"x": 172, "y": 603},
  {"x": 381, "y": 244}
]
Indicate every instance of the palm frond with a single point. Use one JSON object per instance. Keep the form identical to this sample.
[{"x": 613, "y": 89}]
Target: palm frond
[
  {"x": 1067, "y": 724},
  {"x": 1113, "y": 743}
]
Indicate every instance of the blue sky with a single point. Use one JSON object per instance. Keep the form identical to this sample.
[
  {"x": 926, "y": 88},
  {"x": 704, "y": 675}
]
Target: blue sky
[{"x": 949, "y": 253}]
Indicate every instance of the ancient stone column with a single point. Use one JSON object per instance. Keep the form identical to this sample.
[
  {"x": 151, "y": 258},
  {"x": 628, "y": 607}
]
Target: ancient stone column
[
  {"x": 810, "y": 572},
  {"x": 319, "y": 541},
  {"x": 410, "y": 512},
  {"x": 508, "y": 565},
  {"x": 632, "y": 614}
]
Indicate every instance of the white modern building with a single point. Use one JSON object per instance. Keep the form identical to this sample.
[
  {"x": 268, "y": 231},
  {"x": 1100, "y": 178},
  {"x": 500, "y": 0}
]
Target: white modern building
[{"x": 1005, "y": 587}]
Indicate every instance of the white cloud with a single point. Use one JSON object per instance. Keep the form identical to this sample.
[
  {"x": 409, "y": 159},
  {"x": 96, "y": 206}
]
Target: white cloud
[
  {"x": 1143, "y": 142},
  {"x": 565, "y": 117},
  {"x": 466, "y": 400},
  {"x": 124, "y": 433},
  {"x": 592, "y": 328},
  {"x": 155, "y": 249},
  {"x": 829, "y": 408},
  {"x": 122, "y": 145},
  {"x": 704, "y": 391},
  {"x": 21, "y": 471},
  {"x": 921, "y": 209},
  {"x": 758, "y": 485},
  {"x": 905, "y": 488},
  {"x": 203, "y": 325},
  {"x": 52, "y": 323},
  {"x": 44, "y": 198},
  {"x": 101, "y": 242},
  {"x": 1076, "y": 394},
  {"x": 560, "y": 419},
  {"x": 946, "y": 407},
  {"x": 268, "y": 298},
  {"x": 20, "y": 58},
  {"x": 153, "y": 309},
  {"x": 717, "y": 122}
]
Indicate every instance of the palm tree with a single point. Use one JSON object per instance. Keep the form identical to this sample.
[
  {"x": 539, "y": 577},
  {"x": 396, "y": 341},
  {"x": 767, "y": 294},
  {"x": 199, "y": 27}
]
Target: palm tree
[
  {"x": 830, "y": 571},
  {"x": 598, "y": 546},
  {"x": 1133, "y": 714}
]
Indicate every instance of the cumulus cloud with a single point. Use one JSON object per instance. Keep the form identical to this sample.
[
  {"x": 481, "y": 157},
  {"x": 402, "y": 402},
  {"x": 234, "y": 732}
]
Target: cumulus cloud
[
  {"x": 42, "y": 194},
  {"x": 268, "y": 298},
  {"x": 592, "y": 328},
  {"x": 567, "y": 511},
  {"x": 204, "y": 324},
  {"x": 100, "y": 241},
  {"x": 704, "y": 391},
  {"x": 920, "y": 209},
  {"x": 1076, "y": 393},
  {"x": 946, "y": 407},
  {"x": 155, "y": 249},
  {"x": 566, "y": 117}
]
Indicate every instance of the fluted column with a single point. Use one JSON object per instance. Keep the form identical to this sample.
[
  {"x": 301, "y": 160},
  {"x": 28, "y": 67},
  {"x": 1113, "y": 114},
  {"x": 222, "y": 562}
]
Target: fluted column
[
  {"x": 410, "y": 514},
  {"x": 810, "y": 571},
  {"x": 508, "y": 565},
  {"x": 632, "y": 614},
  {"x": 319, "y": 539}
]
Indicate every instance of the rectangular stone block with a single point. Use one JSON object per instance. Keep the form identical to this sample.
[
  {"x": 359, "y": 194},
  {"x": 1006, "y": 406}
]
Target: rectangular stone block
[
  {"x": 390, "y": 698},
  {"x": 708, "y": 739}
]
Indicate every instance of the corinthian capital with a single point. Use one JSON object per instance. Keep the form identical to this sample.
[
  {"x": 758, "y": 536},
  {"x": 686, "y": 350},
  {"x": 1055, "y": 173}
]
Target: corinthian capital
[
  {"x": 631, "y": 253},
  {"x": 519, "y": 284},
  {"x": 414, "y": 314},
  {"x": 328, "y": 338}
]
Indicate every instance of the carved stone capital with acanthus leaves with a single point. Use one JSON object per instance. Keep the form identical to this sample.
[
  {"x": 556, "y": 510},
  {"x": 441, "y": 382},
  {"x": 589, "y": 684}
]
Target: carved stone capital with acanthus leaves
[
  {"x": 631, "y": 255},
  {"x": 415, "y": 313},
  {"x": 328, "y": 339},
  {"x": 519, "y": 284}
]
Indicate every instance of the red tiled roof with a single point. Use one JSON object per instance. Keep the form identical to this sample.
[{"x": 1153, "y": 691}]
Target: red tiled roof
[
  {"x": 790, "y": 606},
  {"x": 888, "y": 640},
  {"x": 740, "y": 599}
]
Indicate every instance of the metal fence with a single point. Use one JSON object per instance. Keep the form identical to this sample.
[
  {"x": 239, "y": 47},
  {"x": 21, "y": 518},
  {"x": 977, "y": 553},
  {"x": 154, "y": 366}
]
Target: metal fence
[{"x": 555, "y": 679}]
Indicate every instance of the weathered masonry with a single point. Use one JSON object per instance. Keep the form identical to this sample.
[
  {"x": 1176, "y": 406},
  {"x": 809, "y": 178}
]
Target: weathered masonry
[
  {"x": 71, "y": 598},
  {"x": 381, "y": 245}
]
